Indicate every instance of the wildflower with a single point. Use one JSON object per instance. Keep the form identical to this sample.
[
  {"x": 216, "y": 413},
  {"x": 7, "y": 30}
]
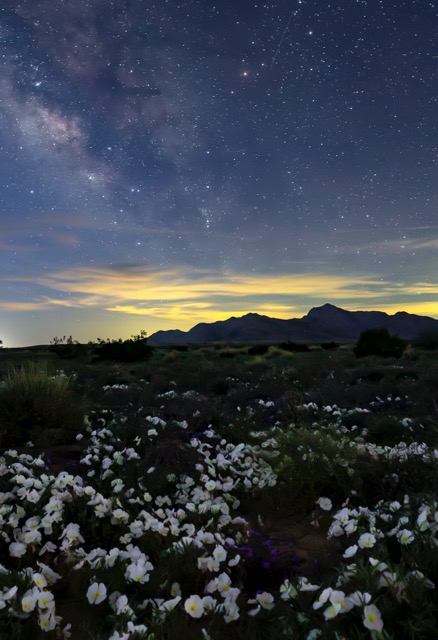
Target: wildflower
[
  {"x": 232, "y": 612},
  {"x": 315, "y": 633},
  {"x": 287, "y": 591},
  {"x": 17, "y": 549},
  {"x": 331, "y": 612},
  {"x": 210, "y": 563},
  {"x": 28, "y": 602},
  {"x": 194, "y": 606},
  {"x": 417, "y": 575},
  {"x": 50, "y": 575},
  {"x": 265, "y": 599},
  {"x": 234, "y": 561},
  {"x": 344, "y": 515},
  {"x": 372, "y": 618},
  {"x": 33, "y": 496},
  {"x": 325, "y": 503},
  {"x": 351, "y": 527},
  {"x": 32, "y": 536},
  {"x": 121, "y": 605},
  {"x": 137, "y": 628},
  {"x": 100, "y": 509},
  {"x": 47, "y": 620},
  {"x": 338, "y": 599},
  {"x": 305, "y": 585},
  {"x": 45, "y": 600},
  {"x": 8, "y": 594},
  {"x": 223, "y": 584},
  {"x": 136, "y": 528},
  {"x": 379, "y": 566},
  {"x": 138, "y": 571},
  {"x": 116, "y": 636},
  {"x": 325, "y": 595},
  {"x": 350, "y": 551},
  {"x": 219, "y": 553},
  {"x": 71, "y": 535},
  {"x": 169, "y": 605},
  {"x": 210, "y": 603},
  {"x": 119, "y": 516},
  {"x": 366, "y": 541},
  {"x": 405, "y": 536},
  {"x": 359, "y": 598},
  {"x": 96, "y": 593}
]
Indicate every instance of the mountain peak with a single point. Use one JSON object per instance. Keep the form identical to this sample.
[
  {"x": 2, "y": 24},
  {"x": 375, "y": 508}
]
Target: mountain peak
[{"x": 326, "y": 310}]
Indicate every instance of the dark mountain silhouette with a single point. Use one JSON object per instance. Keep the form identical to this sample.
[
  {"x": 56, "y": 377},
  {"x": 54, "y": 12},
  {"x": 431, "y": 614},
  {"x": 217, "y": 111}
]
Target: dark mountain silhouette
[{"x": 321, "y": 324}]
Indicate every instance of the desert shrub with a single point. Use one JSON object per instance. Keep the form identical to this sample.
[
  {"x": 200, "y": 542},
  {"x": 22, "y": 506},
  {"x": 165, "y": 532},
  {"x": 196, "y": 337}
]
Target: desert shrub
[
  {"x": 387, "y": 430},
  {"x": 228, "y": 354},
  {"x": 313, "y": 464},
  {"x": 68, "y": 349},
  {"x": 297, "y": 347},
  {"x": 368, "y": 376},
  {"x": 407, "y": 375},
  {"x": 258, "y": 350},
  {"x": 379, "y": 342},
  {"x": 31, "y": 401},
  {"x": 133, "y": 350},
  {"x": 427, "y": 340},
  {"x": 220, "y": 387},
  {"x": 328, "y": 346}
]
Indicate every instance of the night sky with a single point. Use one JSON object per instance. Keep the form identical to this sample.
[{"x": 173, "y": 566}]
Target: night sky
[{"x": 165, "y": 162}]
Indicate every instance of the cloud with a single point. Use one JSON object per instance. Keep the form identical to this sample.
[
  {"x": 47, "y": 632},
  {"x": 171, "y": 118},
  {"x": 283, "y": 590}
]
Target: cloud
[{"x": 185, "y": 295}]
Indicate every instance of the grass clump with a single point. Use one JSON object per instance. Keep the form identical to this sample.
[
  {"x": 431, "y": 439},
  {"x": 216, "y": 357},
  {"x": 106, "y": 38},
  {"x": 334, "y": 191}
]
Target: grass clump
[{"x": 33, "y": 401}]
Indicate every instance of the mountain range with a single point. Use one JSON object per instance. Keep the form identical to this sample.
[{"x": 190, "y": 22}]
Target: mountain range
[{"x": 322, "y": 324}]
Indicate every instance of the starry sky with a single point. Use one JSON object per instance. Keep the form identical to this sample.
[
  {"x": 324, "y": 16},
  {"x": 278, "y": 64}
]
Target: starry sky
[{"x": 168, "y": 162}]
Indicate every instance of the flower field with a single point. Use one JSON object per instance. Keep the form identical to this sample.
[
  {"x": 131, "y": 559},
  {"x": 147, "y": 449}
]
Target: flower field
[{"x": 211, "y": 493}]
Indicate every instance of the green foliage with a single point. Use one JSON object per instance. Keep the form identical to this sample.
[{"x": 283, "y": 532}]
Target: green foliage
[
  {"x": 297, "y": 347},
  {"x": 313, "y": 463},
  {"x": 379, "y": 342},
  {"x": 258, "y": 350},
  {"x": 67, "y": 348},
  {"x": 32, "y": 401},
  {"x": 427, "y": 340},
  {"x": 134, "y": 349},
  {"x": 329, "y": 346}
]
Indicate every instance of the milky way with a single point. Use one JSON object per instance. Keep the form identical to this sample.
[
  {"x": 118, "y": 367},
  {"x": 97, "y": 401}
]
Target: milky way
[{"x": 168, "y": 162}]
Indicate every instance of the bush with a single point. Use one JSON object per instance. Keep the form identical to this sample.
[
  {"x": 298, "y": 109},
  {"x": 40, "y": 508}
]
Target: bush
[
  {"x": 298, "y": 347},
  {"x": 328, "y": 346},
  {"x": 427, "y": 340},
  {"x": 32, "y": 401},
  {"x": 67, "y": 348},
  {"x": 258, "y": 350},
  {"x": 133, "y": 350},
  {"x": 312, "y": 464},
  {"x": 378, "y": 342}
]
